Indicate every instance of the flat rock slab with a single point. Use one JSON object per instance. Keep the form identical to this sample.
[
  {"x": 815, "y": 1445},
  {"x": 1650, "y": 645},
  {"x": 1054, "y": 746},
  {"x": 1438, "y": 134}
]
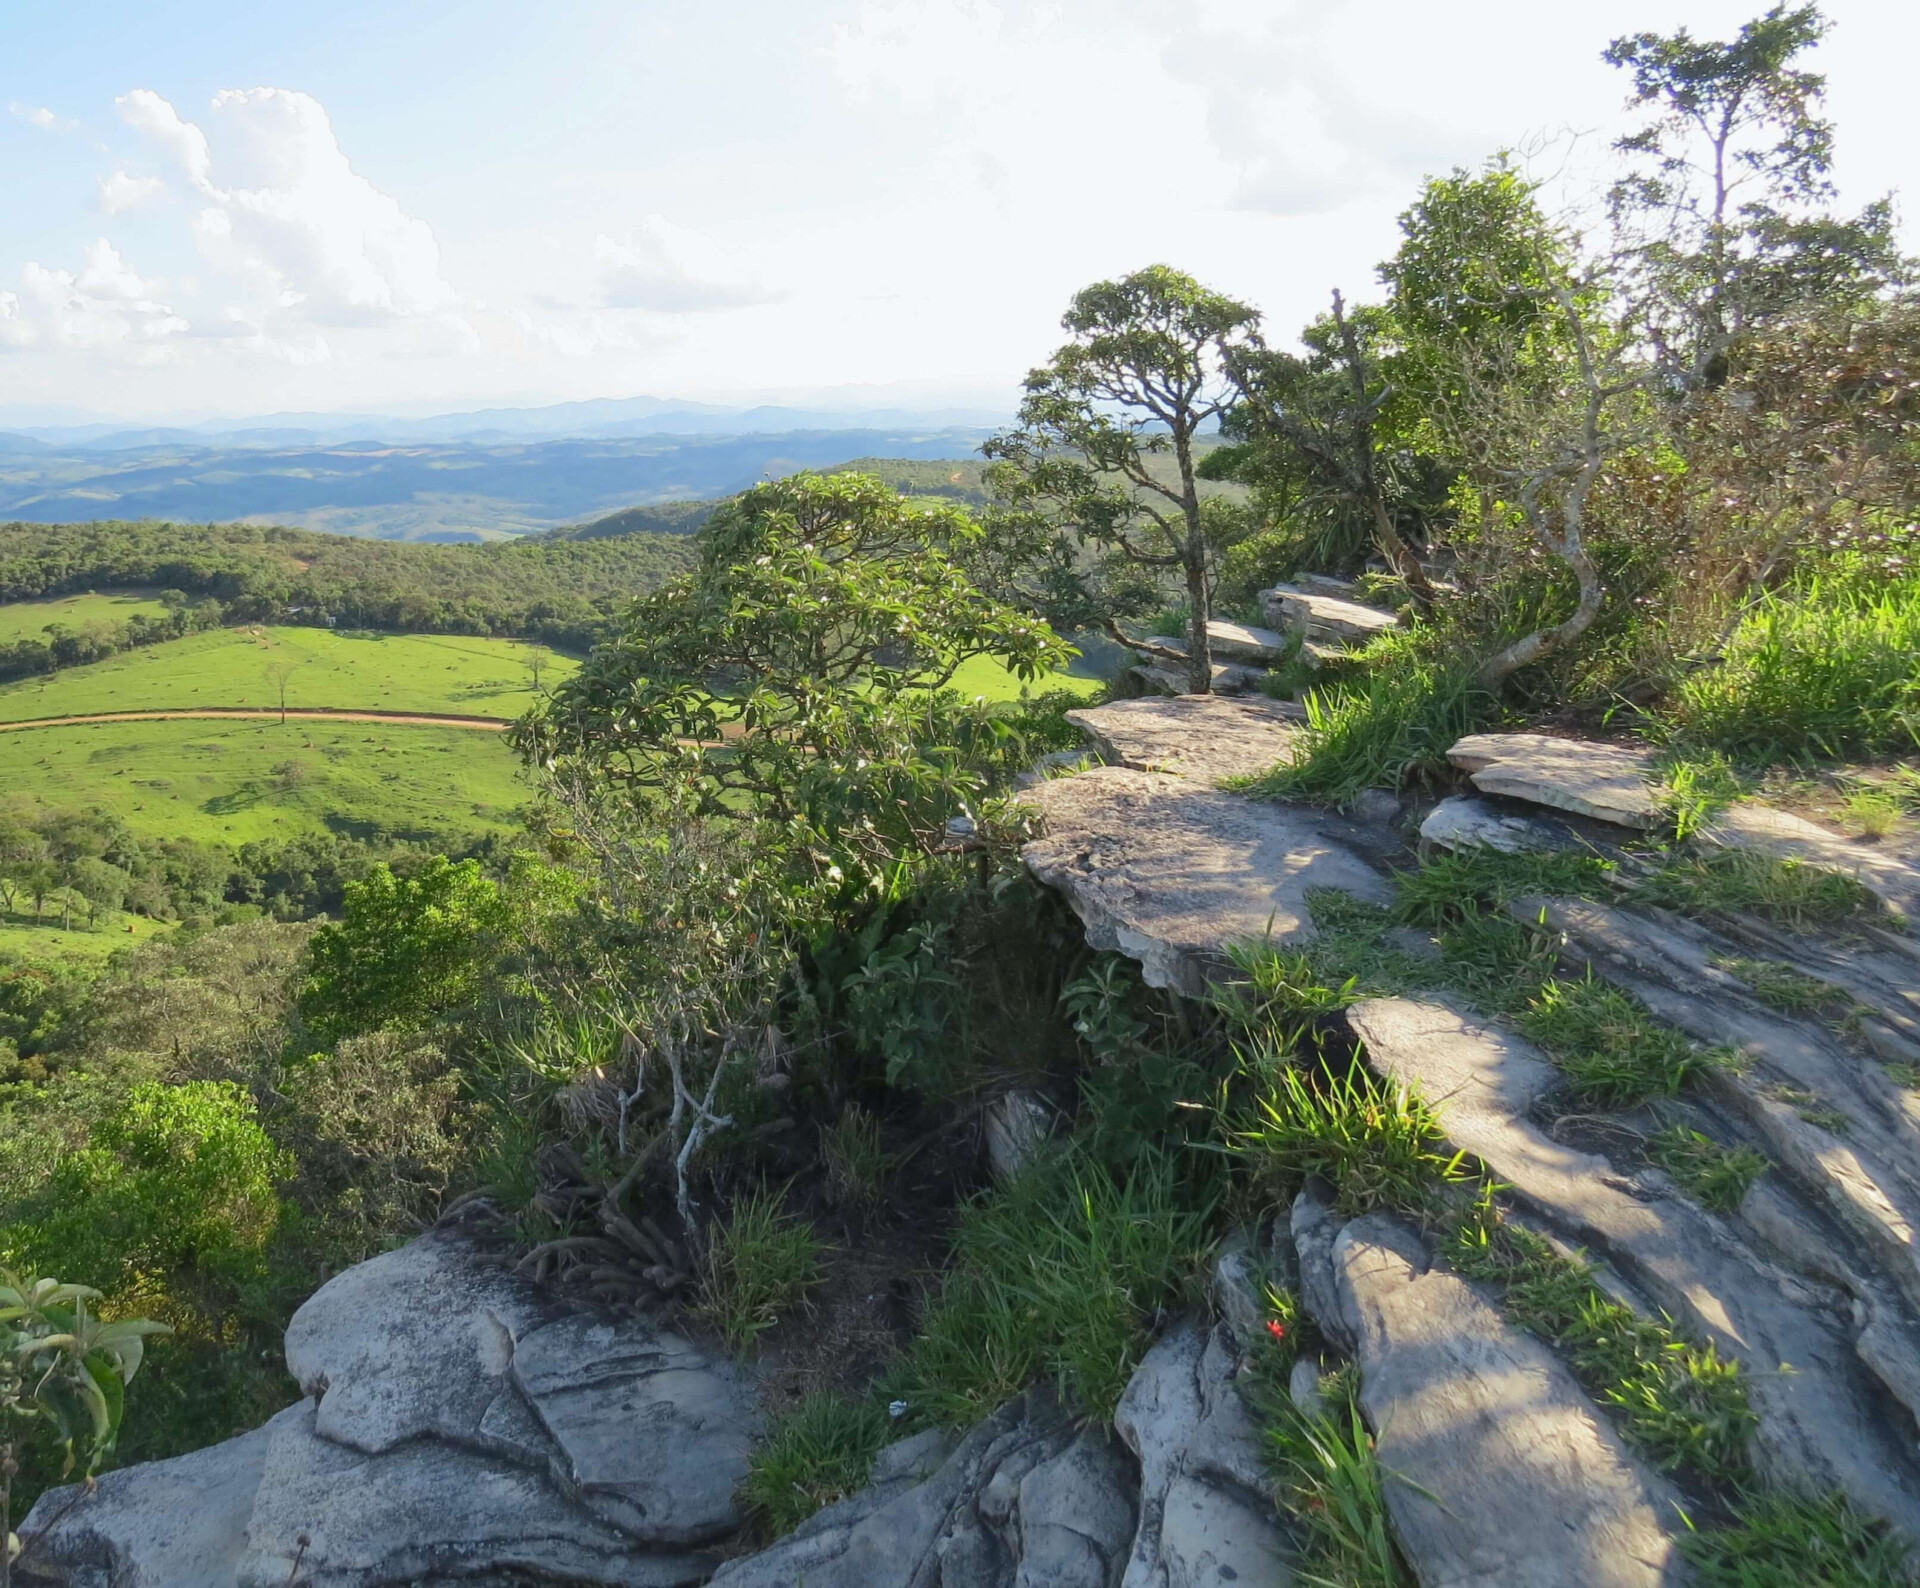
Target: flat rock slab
[
  {"x": 1242, "y": 642},
  {"x": 1503, "y": 1475},
  {"x": 1820, "y": 1411},
  {"x": 1610, "y": 782},
  {"x": 1170, "y": 678},
  {"x": 1461, "y": 822},
  {"x": 1891, "y": 878},
  {"x": 161, "y": 1524},
  {"x": 1198, "y": 736},
  {"x": 1288, "y": 606},
  {"x": 1174, "y": 875},
  {"x": 430, "y": 1511}
]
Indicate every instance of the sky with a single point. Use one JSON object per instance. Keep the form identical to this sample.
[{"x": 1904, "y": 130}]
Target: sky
[{"x": 211, "y": 209}]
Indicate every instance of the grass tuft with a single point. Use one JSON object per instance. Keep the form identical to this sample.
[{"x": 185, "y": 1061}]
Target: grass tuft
[
  {"x": 1613, "y": 1051},
  {"x": 854, "y": 1159},
  {"x": 1332, "y": 1486},
  {"x": 1398, "y": 710},
  {"x": 1679, "y": 1403},
  {"x": 1732, "y": 881},
  {"x": 1782, "y": 987},
  {"x": 817, "y": 1454},
  {"x": 1716, "y": 1177},
  {"x": 1380, "y": 1147},
  {"x": 1061, "y": 1273},
  {"x": 1784, "y": 1540},
  {"x": 1449, "y": 886},
  {"x": 761, "y": 1262}
]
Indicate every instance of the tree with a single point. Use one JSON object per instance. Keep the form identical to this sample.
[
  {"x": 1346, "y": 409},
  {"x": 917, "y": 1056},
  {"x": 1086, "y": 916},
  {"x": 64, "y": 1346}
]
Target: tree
[
  {"x": 407, "y": 949},
  {"x": 101, "y": 886},
  {"x": 799, "y": 676},
  {"x": 279, "y": 673},
  {"x": 1718, "y": 214},
  {"x": 1145, "y": 374}
]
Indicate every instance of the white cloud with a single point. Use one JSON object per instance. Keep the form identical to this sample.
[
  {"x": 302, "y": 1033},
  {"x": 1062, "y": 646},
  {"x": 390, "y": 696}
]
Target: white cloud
[
  {"x": 122, "y": 191},
  {"x": 107, "y": 307},
  {"x": 660, "y": 266},
  {"x": 304, "y": 236},
  {"x": 34, "y": 116}
]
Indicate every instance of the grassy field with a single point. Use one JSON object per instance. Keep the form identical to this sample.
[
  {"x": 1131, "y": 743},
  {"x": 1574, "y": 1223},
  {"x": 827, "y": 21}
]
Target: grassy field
[
  {"x": 24, "y": 620},
  {"x": 337, "y": 669},
  {"x": 47, "y": 944},
  {"x": 983, "y": 676},
  {"x": 234, "y": 782}
]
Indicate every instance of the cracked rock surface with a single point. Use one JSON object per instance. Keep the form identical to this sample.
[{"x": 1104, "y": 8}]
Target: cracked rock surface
[{"x": 1208, "y": 737}]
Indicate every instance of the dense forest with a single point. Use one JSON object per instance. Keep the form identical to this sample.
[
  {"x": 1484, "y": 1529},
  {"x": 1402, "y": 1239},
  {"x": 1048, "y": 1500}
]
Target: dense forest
[
  {"x": 562, "y": 591},
  {"x": 719, "y": 1033}
]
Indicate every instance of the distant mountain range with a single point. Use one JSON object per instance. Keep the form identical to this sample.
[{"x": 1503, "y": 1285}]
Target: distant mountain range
[
  {"x": 404, "y": 487},
  {"x": 600, "y": 418}
]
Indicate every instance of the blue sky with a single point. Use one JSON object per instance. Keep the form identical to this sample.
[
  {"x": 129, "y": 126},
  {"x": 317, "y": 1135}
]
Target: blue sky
[{"x": 212, "y": 208}]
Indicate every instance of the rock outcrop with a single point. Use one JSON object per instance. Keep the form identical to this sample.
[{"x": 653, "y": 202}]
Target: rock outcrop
[
  {"x": 1173, "y": 874},
  {"x": 1504, "y": 1473},
  {"x": 1324, "y": 617},
  {"x": 458, "y": 1423},
  {"x": 1200, "y": 736}
]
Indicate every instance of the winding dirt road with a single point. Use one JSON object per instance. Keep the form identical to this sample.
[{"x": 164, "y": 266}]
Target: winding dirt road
[{"x": 417, "y": 719}]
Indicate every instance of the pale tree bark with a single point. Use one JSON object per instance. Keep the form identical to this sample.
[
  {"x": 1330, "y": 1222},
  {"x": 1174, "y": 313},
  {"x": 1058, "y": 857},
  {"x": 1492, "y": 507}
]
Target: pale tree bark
[{"x": 1560, "y": 525}]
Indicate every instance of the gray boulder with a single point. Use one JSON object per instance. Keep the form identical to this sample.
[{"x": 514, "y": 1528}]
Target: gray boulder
[
  {"x": 1174, "y": 875},
  {"x": 162, "y": 1524}
]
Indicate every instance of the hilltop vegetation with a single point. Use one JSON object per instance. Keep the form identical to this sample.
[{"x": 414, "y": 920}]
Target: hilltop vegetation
[{"x": 730, "y": 1032}]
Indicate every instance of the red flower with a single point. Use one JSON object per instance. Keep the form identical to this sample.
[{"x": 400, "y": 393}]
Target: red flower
[{"x": 1276, "y": 1328}]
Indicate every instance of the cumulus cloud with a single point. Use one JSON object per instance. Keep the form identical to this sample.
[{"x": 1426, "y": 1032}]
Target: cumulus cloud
[
  {"x": 107, "y": 306},
  {"x": 284, "y": 213},
  {"x": 122, "y": 191},
  {"x": 660, "y": 266},
  {"x": 34, "y": 116}
]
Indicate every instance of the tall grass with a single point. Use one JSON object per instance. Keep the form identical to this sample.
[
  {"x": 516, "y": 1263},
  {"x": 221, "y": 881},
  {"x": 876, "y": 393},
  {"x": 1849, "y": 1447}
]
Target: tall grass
[
  {"x": 1062, "y": 1273},
  {"x": 1829, "y": 670},
  {"x": 1398, "y": 710}
]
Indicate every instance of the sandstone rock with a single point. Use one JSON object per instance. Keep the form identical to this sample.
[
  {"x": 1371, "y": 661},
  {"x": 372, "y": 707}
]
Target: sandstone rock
[
  {"x": 1507, "y": 1476},
  {"x": 1076, "y": 1515},
  {"x": 1200, "y": 736},
  {"x": 1204, "y": 1512},
  {"x": 413, "y": 1342},
  {"x": 1170, "y": 678},
  {"x": 1610, "y": 782},
  {"x": 1325, "y": 584},
  {"x": 162, "y": 1524},
  {"x": 961, "y": 1528},
  {"x": 1016, "y": 1125},
  {"x": 1325, "y": 617},
  {"x": 1173, "y": 875},
  {"x": 429, "y": 1510},
  {"x": 1464, "y": 823},
  {"x": 1241, "y": 642},
  {"x": 1819, "y": 1421},
  {"x": 653, "y": 1434},
  {"x": 1890, "y": 877},
  {"x": 1315, "y": 1224}
]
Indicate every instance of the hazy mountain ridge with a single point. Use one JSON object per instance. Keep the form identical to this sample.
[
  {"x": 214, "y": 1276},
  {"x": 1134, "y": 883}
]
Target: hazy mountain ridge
[{"x": 412, "y": 490}]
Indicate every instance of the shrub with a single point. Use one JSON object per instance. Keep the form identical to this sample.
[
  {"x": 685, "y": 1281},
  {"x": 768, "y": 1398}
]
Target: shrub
[{"x": 817, "y": 1454}]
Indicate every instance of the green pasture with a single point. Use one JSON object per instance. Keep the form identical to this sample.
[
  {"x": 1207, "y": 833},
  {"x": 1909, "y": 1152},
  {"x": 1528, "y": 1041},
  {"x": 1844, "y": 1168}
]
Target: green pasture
[
  {"x": 337, "y": 669},
  {"x": 233, "y": 782},
  {"x": 26, "y": 620},
  {"x": 21, "y": 941},
  {"x": 982, "y": 675}
]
